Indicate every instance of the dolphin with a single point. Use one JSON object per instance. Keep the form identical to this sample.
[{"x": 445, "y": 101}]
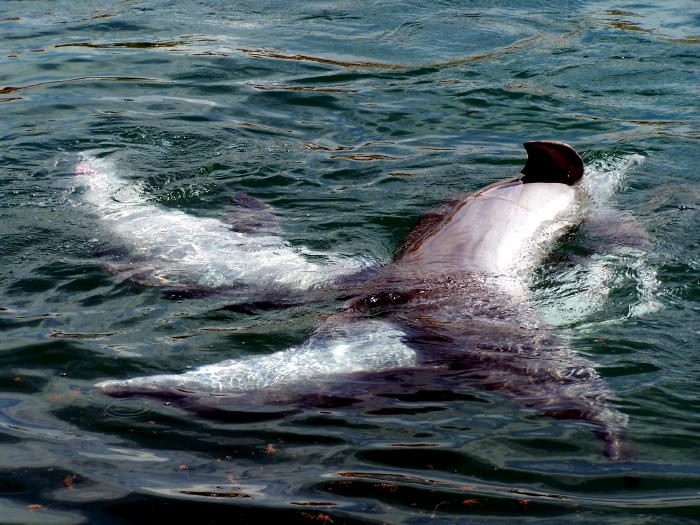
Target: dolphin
[{"x": 452, "y": 303}]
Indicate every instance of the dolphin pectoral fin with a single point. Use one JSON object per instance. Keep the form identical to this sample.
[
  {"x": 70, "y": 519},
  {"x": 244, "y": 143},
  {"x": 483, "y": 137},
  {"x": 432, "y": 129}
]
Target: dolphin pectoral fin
[
  {"x": 252, "y": 216},
  {"x": 549, "y": 161},
  {"x": 610, "y": 424},
  {"x": 618, "y": 227},
  {"x": 617, "y": 446}
]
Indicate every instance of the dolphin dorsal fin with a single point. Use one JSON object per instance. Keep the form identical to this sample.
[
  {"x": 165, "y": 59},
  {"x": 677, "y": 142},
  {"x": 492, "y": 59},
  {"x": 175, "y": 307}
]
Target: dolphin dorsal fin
[{"x": 549, "y": 161}]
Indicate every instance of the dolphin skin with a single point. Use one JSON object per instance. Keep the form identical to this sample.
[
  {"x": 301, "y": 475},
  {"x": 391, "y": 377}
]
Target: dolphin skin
[{"x": 453, "y": 303}]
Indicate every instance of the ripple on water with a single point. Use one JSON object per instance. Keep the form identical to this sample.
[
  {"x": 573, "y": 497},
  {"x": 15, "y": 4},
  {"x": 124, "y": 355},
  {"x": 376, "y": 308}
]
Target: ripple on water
[{"x": 351, "y": 120}]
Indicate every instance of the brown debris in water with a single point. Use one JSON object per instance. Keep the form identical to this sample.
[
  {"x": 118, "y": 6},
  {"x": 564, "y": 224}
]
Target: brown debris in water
[
  {"x": 318, "y": 517},
  {"x": 68, "y": 481}
]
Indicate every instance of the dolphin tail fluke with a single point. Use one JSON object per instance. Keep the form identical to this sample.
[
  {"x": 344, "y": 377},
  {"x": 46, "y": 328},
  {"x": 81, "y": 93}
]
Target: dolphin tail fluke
[
  {"x": 610, "y": 425},
  {"x": 549, "y": 161},
  {"x": 617, "y": 447}
]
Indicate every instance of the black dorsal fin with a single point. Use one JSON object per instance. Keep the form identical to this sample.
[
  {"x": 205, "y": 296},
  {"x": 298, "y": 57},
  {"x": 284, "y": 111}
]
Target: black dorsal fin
[{"x": 549, "y": 161}]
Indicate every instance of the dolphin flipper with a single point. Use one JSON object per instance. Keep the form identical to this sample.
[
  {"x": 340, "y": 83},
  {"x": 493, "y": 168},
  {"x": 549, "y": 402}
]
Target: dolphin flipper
[{"x": 252, "y": 216}]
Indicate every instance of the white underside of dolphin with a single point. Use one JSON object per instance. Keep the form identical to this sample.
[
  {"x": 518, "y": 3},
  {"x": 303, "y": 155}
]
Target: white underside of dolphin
[
  {"x": 368, "y": 346},
  {"x": 174, "y": 248}
]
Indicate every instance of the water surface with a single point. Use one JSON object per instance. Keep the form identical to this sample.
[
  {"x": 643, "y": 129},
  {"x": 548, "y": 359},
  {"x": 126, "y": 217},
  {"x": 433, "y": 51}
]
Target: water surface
[{"x": 350, "y": 119}]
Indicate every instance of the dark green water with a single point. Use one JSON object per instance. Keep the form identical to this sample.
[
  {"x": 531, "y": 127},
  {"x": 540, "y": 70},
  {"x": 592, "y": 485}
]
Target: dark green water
[{"x": 351, "y": 119}]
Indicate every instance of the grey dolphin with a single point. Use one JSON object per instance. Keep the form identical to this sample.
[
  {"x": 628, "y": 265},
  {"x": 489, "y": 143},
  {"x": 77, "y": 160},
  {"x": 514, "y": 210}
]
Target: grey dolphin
[{"x": 452, "y": 303}]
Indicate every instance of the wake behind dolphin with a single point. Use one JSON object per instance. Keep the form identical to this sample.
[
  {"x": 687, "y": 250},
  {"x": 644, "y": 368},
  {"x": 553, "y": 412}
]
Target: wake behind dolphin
[{"x": 453, "y": 299}]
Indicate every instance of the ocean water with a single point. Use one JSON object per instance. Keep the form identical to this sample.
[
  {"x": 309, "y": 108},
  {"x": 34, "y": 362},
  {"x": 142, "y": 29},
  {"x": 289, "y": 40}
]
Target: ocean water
[{"x": 350, "y": 119}]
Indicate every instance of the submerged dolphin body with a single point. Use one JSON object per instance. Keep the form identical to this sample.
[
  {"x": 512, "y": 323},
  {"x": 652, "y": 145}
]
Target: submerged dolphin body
[{"x": 452, "y": 302}]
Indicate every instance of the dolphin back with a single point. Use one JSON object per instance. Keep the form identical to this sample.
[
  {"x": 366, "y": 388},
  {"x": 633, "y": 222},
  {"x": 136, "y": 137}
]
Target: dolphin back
[{"x": 498, "y": 229}]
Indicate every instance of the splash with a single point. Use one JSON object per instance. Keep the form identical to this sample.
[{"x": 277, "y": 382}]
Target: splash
[
  {"x": 605, "y": 177},
  {"x": 579, "y": 292}
]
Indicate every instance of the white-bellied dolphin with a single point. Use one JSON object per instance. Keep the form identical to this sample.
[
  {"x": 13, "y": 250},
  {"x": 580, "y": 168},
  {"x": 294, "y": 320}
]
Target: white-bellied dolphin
[{"x": 452, "y": 302}]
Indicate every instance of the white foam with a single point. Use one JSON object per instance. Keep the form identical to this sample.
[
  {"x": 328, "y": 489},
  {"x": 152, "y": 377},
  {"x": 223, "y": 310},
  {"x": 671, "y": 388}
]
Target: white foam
[{"x": 584, "y": 289}]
